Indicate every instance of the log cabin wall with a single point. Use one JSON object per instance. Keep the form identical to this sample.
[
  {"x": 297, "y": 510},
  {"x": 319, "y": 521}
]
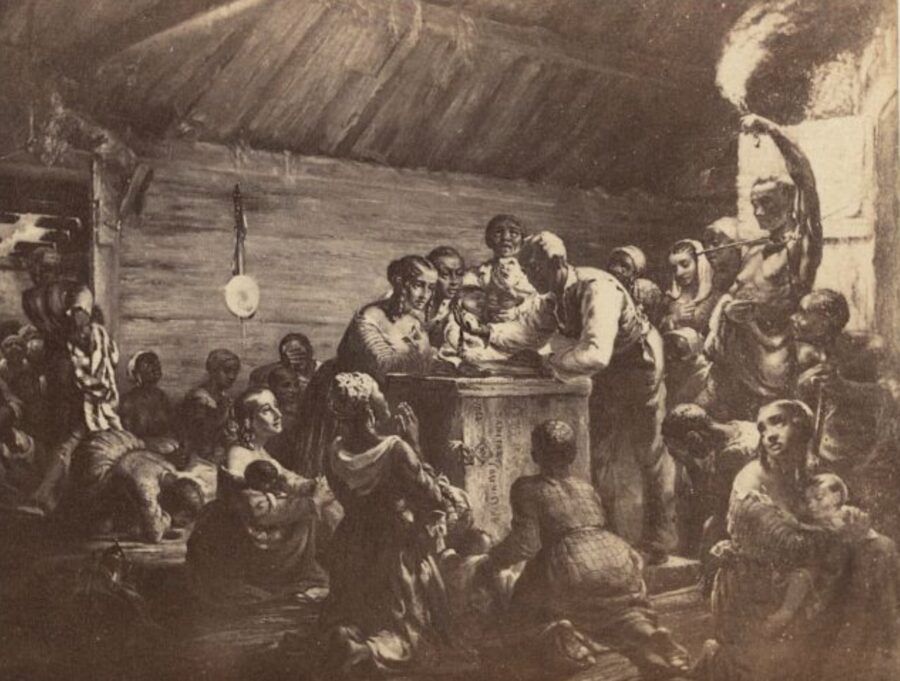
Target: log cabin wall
[{"x": 321, "y": 233}]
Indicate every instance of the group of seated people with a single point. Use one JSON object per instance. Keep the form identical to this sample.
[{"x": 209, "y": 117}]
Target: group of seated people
[{"x": 731, "y": 419}]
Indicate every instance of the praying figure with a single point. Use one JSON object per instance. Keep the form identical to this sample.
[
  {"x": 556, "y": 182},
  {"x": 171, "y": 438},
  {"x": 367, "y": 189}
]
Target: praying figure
[{"x": 691, "y": 298}]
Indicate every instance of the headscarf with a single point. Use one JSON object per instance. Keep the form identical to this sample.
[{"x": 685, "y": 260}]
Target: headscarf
[
  {"x": 131, "y": 370},
  {"x": 636, "y": 255},
  {"x": 350, "y": 394},
  {"x": 704, "y": 271}
]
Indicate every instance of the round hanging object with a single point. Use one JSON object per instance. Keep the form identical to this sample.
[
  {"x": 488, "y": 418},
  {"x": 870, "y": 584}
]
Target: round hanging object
[{"x": 242, "y": 296}]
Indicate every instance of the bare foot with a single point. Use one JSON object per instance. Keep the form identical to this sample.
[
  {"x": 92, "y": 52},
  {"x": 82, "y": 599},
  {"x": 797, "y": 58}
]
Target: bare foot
[
  {"x": 776, "y": 623},
  {"x": 665, "y": 646},
  {"x": 575, "y": 651}
]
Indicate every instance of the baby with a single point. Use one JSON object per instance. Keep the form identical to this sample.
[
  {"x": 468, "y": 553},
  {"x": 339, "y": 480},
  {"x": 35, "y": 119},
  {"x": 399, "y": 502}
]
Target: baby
[
  {"x": 263, "y": 476},
  {"x": 465, "y": 332},
  {"x": 826, "y": 508},
  {"x": 502, "y": 279}
]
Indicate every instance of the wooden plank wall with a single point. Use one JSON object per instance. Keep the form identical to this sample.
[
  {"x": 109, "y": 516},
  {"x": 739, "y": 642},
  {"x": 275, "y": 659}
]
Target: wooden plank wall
[{"x": 321, "y": 233}]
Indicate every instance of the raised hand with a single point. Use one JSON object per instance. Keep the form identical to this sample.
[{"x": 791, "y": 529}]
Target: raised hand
[
  {"x": 322, "y": 494},
  {"x": 406, "y": 424},
  {"x": 753, "y": 124}
]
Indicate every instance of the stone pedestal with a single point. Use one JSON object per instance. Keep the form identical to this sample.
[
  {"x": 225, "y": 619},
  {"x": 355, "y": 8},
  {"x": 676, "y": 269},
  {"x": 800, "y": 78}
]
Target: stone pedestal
[{"x": 478, "y": 431}]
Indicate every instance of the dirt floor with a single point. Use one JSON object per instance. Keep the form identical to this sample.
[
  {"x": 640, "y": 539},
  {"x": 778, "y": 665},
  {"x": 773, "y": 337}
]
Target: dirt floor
[{"x": 48, "y": 630}]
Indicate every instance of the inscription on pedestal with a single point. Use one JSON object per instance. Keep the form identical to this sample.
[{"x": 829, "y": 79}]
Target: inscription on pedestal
[{"x": 478, "y": 432}]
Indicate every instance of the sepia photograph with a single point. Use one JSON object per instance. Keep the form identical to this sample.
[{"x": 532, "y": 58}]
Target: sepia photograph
[{"x": 449, "y": 340}]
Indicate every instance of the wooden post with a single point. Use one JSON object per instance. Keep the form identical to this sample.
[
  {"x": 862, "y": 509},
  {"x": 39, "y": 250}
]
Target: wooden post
[{"x": 105, "y": 244}]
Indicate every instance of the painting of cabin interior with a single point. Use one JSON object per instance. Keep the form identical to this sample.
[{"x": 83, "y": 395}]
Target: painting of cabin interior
[{"x": 449, "y": 340}]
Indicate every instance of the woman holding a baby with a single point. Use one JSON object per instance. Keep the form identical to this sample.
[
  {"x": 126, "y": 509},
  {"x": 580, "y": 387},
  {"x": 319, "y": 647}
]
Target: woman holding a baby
[
  {"x": 257, "y": 540},
  {"x": 805, "y": 588}
]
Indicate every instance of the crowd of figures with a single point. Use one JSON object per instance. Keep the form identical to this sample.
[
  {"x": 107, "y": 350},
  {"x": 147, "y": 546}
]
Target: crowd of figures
[{"x": 732, "y": 420}]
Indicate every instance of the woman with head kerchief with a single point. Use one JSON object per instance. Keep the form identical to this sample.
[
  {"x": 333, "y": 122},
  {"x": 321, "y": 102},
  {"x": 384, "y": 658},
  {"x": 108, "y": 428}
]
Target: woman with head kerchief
[
  {"x": 385, "y": 336},
  {"x": 250, "y": 545},
  {"x": 146, "y": 410},
  {"x": 205, "y": 409},
  {"x": 628, "y": 264},
  {"x": 690, "y": 300},
  {"x": 386, "y": 608}
]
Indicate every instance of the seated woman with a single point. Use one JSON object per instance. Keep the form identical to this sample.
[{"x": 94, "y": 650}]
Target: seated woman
[
  {"x": 386, "y": 609},
  {"x": 249, "y": 546},
  {"x": 205, "y": 409},
  {"x": 769, "y": 542},
  {"x": 691, "y": 299},
  {"x": 118, "y": 486},
  {"x": 145, "y": 409},
  {"x": 385, "y": 336},
  {"x": 577, "y": 570}
]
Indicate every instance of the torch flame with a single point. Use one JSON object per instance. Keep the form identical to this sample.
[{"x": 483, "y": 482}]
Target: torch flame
[{"x": 748, "y": 46}]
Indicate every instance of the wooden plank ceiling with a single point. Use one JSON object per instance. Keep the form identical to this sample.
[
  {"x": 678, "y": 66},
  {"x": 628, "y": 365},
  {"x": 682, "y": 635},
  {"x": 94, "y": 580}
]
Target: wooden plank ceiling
[{"x": 575, "y": 92}]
